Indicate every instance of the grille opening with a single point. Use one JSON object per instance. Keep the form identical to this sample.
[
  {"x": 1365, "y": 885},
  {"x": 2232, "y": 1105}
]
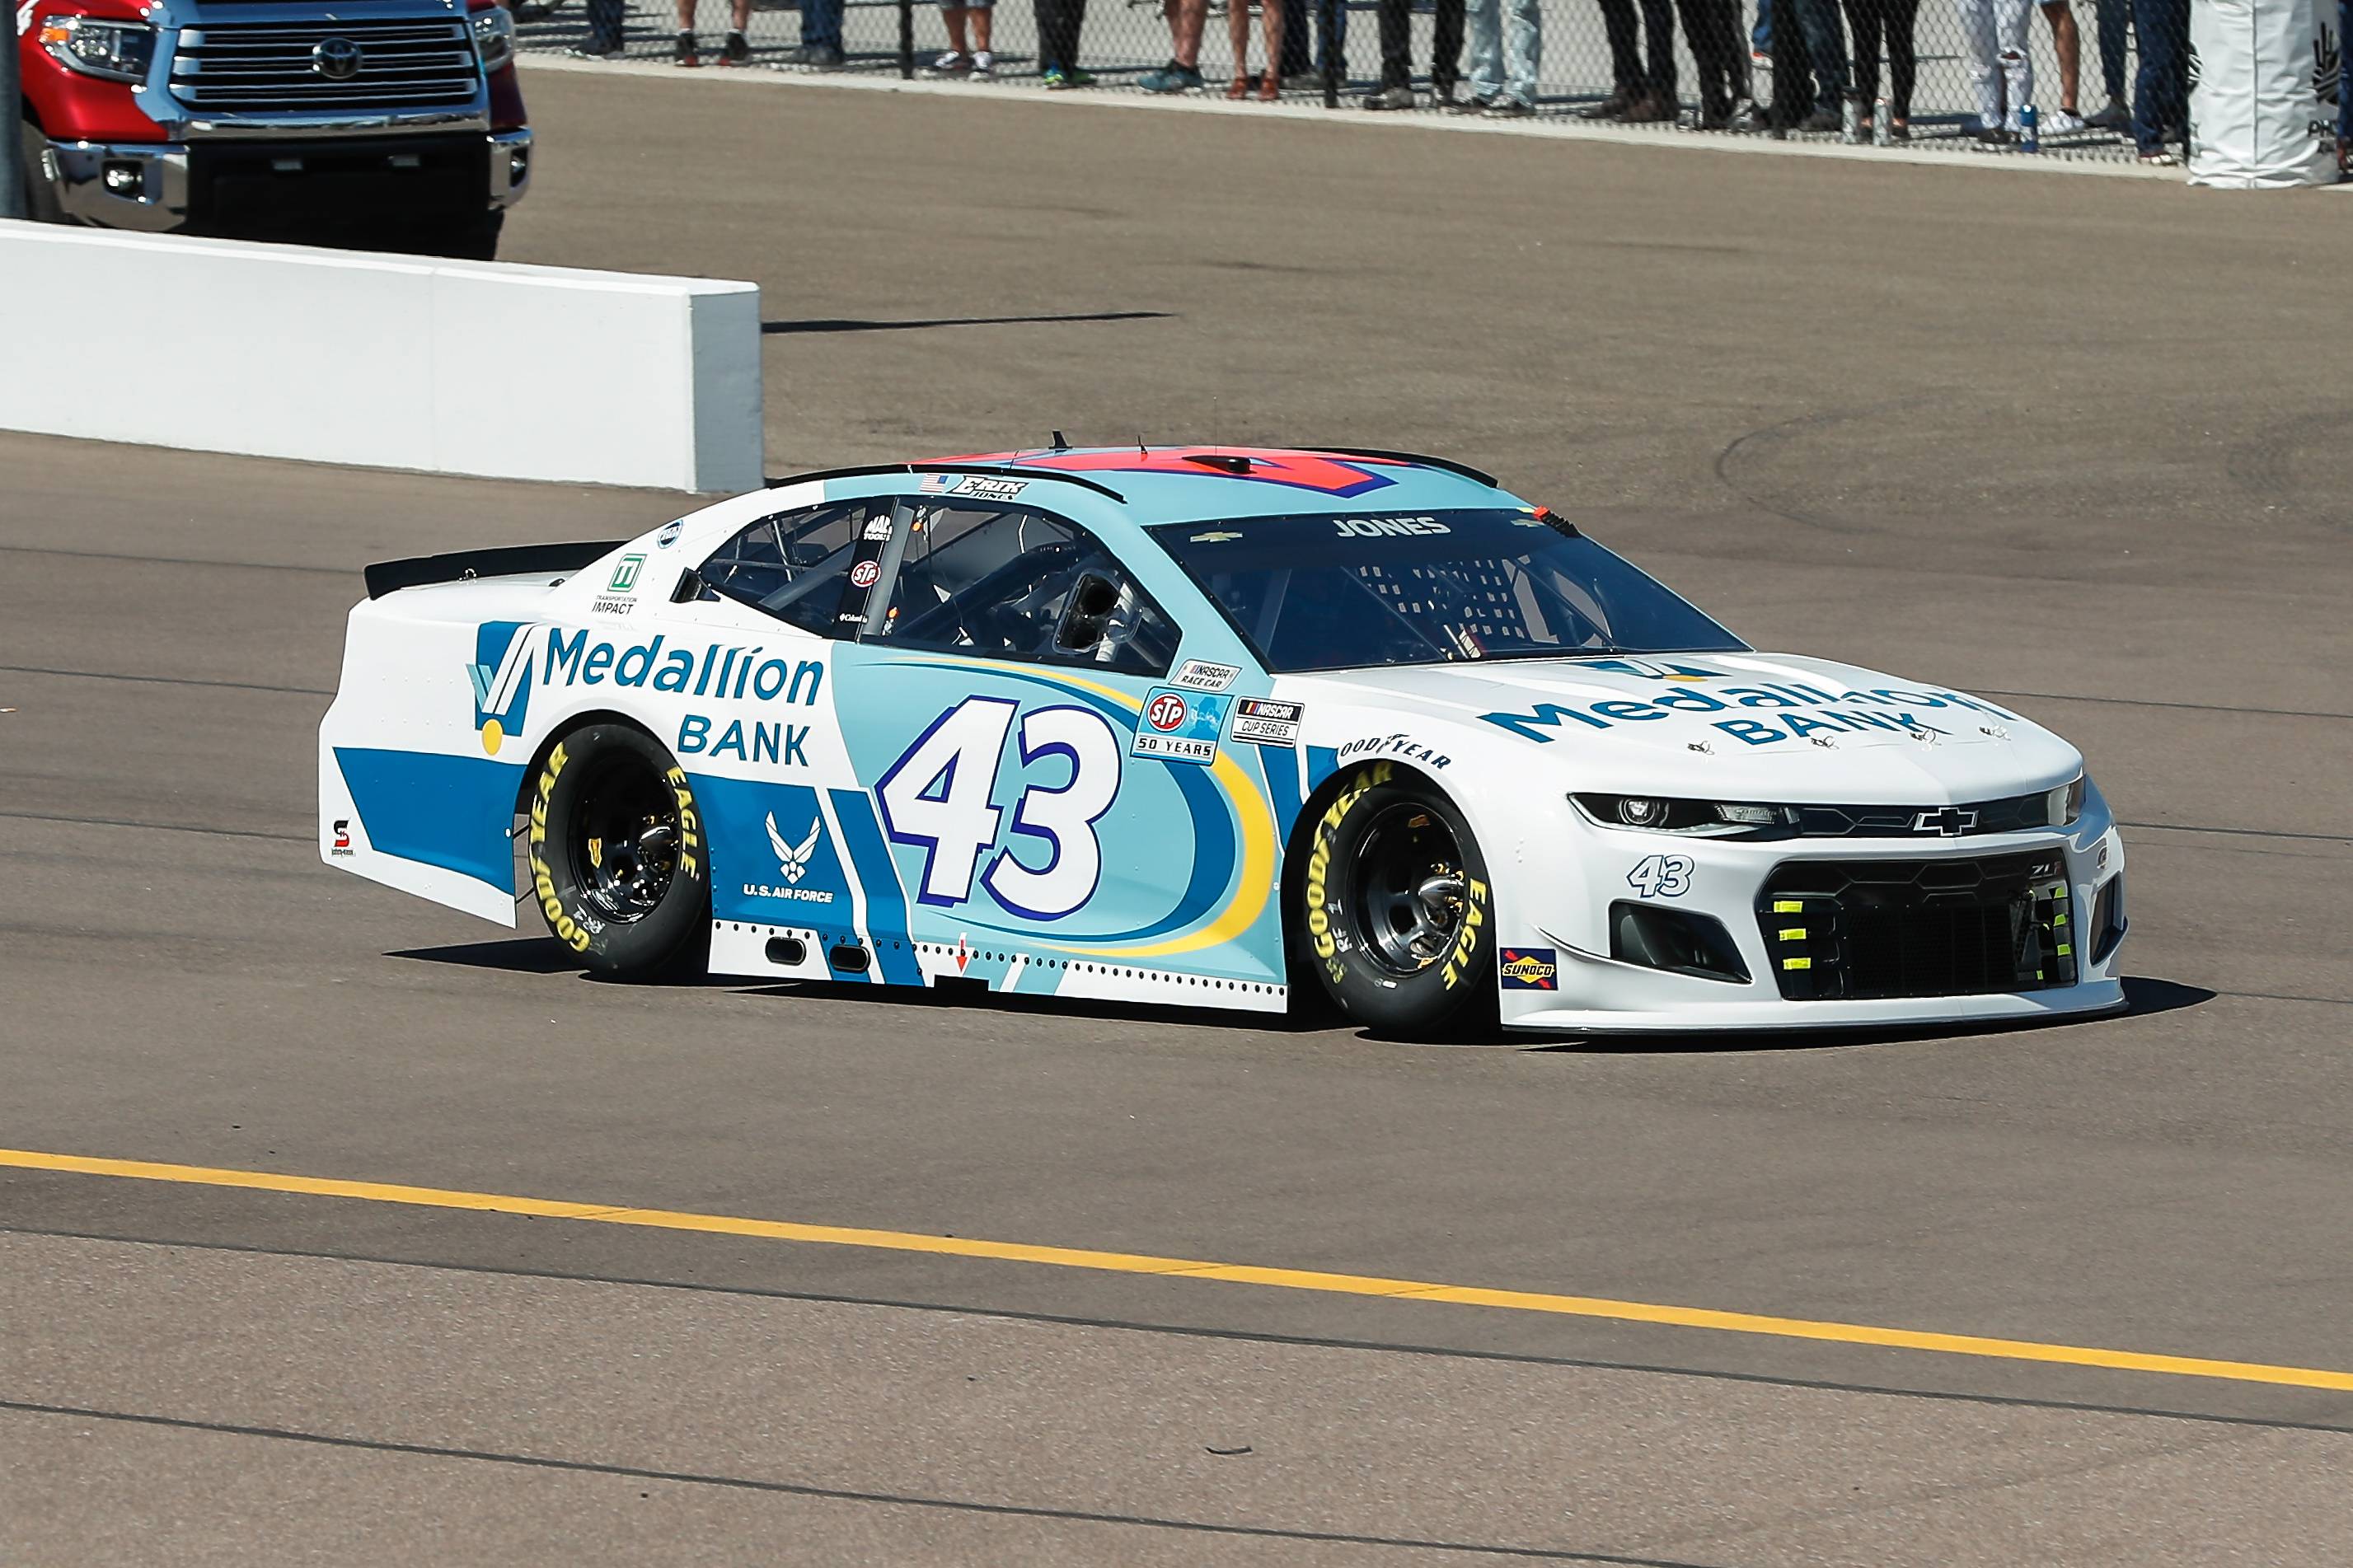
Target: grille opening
[
  {"x": 1674, "y": 940},
  {"x": 363, "y": 63},
  {"x": 1889, "y": 929}
]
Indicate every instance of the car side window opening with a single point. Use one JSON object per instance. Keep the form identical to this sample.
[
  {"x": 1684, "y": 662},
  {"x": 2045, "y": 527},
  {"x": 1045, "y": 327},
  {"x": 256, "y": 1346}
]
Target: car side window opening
[
  {"x": 1010, "y": 583},
  {"x": 791, "y": 565}
]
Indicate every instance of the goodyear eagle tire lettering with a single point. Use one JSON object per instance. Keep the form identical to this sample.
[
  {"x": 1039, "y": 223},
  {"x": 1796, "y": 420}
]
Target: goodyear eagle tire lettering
[
  {"x": 617, "y": 854},
  {"x": 1394, "y": 913}
]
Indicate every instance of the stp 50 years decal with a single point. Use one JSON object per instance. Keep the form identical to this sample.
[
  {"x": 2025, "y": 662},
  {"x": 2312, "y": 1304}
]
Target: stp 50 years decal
[{"x": 1180, "y": 726}]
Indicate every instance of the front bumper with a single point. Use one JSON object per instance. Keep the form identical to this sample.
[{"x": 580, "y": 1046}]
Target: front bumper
[
  {"x": 158, "y": 188},
  {"x": 2068, "y": 928}
]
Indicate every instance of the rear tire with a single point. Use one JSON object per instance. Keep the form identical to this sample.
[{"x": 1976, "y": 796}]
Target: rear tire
[
  {"x": 1394, "y": 913},
  {"x": 618, "y": 866}
]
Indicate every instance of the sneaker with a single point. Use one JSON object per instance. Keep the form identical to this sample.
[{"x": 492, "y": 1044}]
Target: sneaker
[
  {"x": 955, "y": 62},
  {"x": 1444, "y": 94},
  {"x": 1650, "y": 112},
  {"x": 596, "y": 49},
  {"x": 1473, "y": 105},
  {"x": 1389, "y": 97},
  {"x": 1991, "y": 135},
  {"x": 1822, "y": 120},
  {"x": 736, "y": 51},
  {"x": 2114, "y": 117},
  {"x": 1509, "y": 108},
  {"x": 1613, "y": 107},
  {"x": 684, "y": 52},
  {"x": 1172, "y": 77},
  {"x": 825, "y": 57},
  {"x": 2163, "y": 158},
  {"x": 984, "y": 65},
  {"x": 1059, "y": 78},
  {"x": 2061, "y": 123},
  {"x": 1305, "y": 81}
]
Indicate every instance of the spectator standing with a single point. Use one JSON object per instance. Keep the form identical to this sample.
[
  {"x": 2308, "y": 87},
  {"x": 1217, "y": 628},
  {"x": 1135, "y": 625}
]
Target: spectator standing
[
  {"x": 820, "y": 34},
  {"x": 734, "y": 52},
  {"x": 605, "y": 22},
  {"x": 1639, "y": 93},
  {"x": 1059, "y": 22},
  {"x": 2161, "y": 91},
  {"x": 1891, "y": 21},
  {"x": 968, "y": 53},
  {"x": 1994, "y": 36},
  {"x": 1238, "y": 34},
  {"x": 1506, "y": 46},
  {"x": 1713, "y": 29},
  {"x": 2113, "y": 15},
  {"x": 1810, "y": 74},
  {"x": 1395, "y": 91},
  {"x": 2067, "y": 44},
  {"x": 1182, "y": 71}
]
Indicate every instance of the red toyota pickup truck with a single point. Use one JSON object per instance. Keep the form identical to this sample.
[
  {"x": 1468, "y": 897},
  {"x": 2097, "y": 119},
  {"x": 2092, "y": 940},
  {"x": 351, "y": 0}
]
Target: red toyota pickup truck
[{"x": 396, "y": 124}]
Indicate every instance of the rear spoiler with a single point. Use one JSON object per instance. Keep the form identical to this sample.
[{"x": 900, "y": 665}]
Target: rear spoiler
[{"x": 508, "y": 560}]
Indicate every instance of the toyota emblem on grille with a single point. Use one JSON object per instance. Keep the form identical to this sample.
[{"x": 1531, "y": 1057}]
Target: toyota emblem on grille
[
  {"x": 1952, "y": 822},
  {"x": 337, "y": 59}
]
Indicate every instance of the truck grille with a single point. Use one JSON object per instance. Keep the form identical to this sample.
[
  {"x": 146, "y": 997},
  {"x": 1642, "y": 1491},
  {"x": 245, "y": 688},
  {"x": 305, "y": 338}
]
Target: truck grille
[
  {"x": 247, "y": 67},
  {"x": 1886, "y": 929}
]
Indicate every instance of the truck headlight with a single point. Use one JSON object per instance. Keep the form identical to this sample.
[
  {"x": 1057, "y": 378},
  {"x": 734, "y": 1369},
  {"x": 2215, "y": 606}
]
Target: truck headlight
[
  {"x": 494, "y": 37},
  {"x": 1694, "y": 819},
  {"x": 119, "y": 51}
]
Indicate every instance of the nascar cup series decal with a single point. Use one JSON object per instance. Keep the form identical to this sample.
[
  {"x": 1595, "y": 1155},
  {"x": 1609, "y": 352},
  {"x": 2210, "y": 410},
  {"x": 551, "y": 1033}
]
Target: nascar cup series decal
[
  {"x": 1180, "y": 726},
  {"x": 1263, "y": 722}
]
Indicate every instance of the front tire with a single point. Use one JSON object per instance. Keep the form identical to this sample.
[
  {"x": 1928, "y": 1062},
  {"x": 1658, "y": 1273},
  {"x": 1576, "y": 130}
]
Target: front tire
[
  {"x": 1395, "y": 911},
  {"x": 618, "y": 866}
]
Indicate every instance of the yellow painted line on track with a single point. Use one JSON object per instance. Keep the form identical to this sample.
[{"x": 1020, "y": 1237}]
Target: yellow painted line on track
[{"x": 1193, "y": 1269}]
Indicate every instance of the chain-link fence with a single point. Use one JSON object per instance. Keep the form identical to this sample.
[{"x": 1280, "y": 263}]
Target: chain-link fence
[{"x": 1971, "y": 67}]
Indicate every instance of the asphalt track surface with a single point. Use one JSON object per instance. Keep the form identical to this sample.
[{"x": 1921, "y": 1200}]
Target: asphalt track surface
[{"x": 2077, "y": 442}]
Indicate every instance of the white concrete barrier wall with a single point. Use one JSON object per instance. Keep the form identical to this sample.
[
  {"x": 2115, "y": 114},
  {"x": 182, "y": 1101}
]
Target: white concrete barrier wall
[{"x": 337, "y": 356}]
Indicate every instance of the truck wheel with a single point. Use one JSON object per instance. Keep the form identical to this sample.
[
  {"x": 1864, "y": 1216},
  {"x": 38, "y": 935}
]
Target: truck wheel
[
  {"x": 618, "y": 862},
  {"x": 1394, "y": 910}
]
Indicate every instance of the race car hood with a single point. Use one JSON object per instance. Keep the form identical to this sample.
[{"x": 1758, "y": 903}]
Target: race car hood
[{"x": 1735, "y": 726}]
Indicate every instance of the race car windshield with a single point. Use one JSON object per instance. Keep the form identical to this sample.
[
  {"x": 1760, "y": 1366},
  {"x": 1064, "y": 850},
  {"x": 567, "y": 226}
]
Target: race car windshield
[{"x": 1329, "y": 591}]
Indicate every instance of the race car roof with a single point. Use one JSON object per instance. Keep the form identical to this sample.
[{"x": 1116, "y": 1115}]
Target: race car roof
[{"x": 1182, "y": 483}]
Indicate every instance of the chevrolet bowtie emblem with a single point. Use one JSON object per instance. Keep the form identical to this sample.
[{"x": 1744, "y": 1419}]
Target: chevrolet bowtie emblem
[{"x": 1952, "y": 822}]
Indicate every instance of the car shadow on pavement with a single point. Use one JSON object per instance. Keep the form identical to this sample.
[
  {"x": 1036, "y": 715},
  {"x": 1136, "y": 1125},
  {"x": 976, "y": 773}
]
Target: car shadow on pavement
[{"x": 2145, "y": 996}]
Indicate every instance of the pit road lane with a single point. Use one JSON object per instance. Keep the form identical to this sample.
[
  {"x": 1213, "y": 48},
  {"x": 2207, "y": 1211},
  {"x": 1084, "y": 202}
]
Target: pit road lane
[{"x": 2084, "y": 469}]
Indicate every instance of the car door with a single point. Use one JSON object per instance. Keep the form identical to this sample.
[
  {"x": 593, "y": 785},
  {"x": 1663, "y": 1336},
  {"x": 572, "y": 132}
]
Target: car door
[{"x": 1039, "y": 796}]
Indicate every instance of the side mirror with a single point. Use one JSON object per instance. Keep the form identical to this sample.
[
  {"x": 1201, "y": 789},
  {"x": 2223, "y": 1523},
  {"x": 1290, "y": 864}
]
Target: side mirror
[
  {"x": 690, "y": 587},
  {"x": 1089, "y": 615}
]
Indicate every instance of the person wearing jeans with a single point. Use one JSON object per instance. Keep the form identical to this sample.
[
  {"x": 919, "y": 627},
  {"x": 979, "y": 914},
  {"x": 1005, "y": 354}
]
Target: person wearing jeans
[
  {"x": 2161, "y": 93},
  {"x": 1506, "y": 45},
  {"x": 1809, "y": 49},
  {"x": 2113, "y": 17},
  {"x": 820, "y": 34},
  {"x": 1395, "y": 91}
]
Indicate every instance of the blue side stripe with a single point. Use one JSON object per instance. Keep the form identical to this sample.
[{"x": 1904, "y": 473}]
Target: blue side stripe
[
  {"x": 1283, "y": 787},
  {"x": 1322, "y": 762},
  {"x": 886, "y": 904},
  {"x": 456, "y": 813}
]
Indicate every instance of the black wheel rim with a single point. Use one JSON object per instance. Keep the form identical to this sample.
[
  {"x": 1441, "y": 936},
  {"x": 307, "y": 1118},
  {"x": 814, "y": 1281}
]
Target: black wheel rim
[
  {"x": 1409, "y": 888},
  {"x": 624, "y": 840}
]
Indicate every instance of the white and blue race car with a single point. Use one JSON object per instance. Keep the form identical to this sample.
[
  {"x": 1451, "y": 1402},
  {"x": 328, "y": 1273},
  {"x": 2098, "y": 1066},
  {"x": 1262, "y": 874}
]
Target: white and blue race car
[{"x": 1213, "y": 727}]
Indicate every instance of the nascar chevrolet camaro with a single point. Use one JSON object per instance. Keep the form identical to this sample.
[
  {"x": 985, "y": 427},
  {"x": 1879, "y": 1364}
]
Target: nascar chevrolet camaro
[{"x": 1210, "y": 727}]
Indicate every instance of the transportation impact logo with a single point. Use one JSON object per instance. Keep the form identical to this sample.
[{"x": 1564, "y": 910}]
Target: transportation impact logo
[{"x": 501, "y": 675}]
